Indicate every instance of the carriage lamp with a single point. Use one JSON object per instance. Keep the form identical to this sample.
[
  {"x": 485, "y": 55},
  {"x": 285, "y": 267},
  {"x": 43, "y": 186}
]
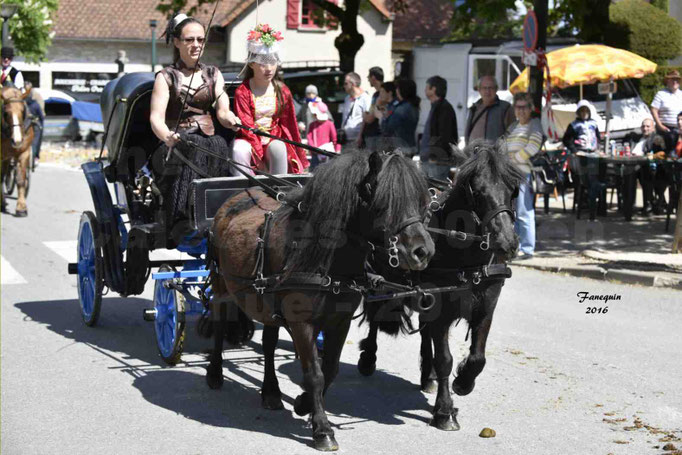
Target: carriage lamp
[
  {"x": 152, "y": 25},
  {"x": 7, "y": 11}
]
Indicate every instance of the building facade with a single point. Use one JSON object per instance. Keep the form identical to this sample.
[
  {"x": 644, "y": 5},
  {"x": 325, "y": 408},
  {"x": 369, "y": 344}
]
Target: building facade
[{"x": 89, "y": 35}]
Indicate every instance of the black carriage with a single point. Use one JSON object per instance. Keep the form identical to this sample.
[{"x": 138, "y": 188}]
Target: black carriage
[{"x": 114, "y": 242}]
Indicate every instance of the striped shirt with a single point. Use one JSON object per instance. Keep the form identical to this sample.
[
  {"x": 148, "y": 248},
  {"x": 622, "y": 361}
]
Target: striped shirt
[
  {"x": 524, "y": 141},
  {"x": 669, "y": 105}
]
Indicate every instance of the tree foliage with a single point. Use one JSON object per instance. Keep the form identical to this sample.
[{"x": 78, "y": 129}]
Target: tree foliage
[
  {"x": 649, "y": 31},
  {"x": 30, "y": 27},
  {"x": 586, "y": 19}
]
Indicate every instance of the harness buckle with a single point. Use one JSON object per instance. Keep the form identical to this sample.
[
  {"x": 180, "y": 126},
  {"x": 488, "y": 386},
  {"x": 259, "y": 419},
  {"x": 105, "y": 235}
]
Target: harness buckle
[
  {"x": 461, "y": 276},
  {"x": 393, "y": 259},
  {"x": 328, "y": 282},
  {"x": 476, "y": 278},
  {"x": 459, "y": 235},
  {"x": 336, "y": 288},
  {"x": 485, "y": 243},
  {"x": 258, "y": 284}
]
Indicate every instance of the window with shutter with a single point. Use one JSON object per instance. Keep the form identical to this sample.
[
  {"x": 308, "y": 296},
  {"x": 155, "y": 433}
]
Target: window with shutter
[{"x": 293, "y": 7}]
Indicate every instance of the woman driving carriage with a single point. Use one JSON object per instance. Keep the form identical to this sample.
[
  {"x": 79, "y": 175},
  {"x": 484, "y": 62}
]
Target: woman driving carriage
[
  {"x": 263, "y": 101},
  {"x": 188, "y": 96}
]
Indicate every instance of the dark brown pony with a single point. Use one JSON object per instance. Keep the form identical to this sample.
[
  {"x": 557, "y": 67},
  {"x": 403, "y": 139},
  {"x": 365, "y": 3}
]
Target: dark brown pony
[
  {"x": 17, "y": 136},
  {"x": 353, "y": 204},
  {"x": 483, "y": 189}
]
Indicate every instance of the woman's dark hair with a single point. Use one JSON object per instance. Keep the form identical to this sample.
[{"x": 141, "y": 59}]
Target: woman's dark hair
[
  {"x": 408, "y": 92},
  {"x": 277, "y": 82},
  {"x": 389, "y": 86},
  {"x": 176, "y": 32}
]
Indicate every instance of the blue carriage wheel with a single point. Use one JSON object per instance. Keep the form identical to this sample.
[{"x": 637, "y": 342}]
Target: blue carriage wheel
[
  {"x": 90, "y": 271},
  {"x": 169, "y": 323}
]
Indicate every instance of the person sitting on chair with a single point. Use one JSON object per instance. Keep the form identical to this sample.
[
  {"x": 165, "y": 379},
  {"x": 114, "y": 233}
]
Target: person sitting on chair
[
  {"x": 181, "y": 110},
  {"x": 262, "y": 101}
]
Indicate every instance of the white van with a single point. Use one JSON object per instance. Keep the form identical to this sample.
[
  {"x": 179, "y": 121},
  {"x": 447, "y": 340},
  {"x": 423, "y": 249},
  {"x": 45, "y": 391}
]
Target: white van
[{"x": 462, "y": 63}]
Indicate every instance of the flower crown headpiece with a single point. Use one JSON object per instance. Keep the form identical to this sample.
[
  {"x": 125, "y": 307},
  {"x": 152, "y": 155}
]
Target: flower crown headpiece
[{"x": 264, "y": 40}]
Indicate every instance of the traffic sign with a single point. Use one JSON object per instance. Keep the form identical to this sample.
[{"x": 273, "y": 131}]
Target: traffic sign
[
  {"x": 605, "y": 88},
  {"x": 530, "y": 31}
]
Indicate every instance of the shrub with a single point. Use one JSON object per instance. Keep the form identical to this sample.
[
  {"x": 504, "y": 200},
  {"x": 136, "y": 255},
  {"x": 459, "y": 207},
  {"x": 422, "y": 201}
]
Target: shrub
[{"x": 650, "y": 32}]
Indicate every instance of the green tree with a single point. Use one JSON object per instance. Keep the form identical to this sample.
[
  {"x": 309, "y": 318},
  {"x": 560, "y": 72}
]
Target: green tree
[
  {"x": 348, "y": 43},
  {"x": 586, "y": 19},
  {"x": 660, "y": 4},
  {"x": 649, "y": 32},
  {"x": 30, "y": 27}
]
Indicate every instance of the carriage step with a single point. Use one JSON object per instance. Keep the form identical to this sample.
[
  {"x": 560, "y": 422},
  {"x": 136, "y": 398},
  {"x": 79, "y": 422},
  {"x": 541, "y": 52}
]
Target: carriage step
[{"x": 149, "y": 314}]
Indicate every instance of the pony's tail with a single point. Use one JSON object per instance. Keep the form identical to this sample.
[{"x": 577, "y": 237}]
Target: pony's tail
[{"x": 392, "y": 316}]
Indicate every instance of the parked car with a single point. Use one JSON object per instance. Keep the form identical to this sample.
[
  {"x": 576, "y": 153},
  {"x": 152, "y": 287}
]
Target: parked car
[
  {"x": 327, "y": 79},
  {"x": 68, "y": 119}
]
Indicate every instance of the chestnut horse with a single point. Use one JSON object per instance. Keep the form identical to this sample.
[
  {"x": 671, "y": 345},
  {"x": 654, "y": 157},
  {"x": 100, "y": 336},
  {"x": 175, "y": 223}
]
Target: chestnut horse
[
  {"x": 353, "y": 204},
  {"x": 478, "y": 204},
  {"x": 17, "y": 136}
]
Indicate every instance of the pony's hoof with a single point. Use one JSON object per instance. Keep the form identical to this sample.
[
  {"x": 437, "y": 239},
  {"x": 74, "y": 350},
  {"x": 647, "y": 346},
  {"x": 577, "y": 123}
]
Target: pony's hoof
[
  {"x": 430, "y": 386},
  {"x": 214, "y": 380},
  {"x": 21, "y": 213},
  {"x": 366, "y": 367},
  {"x": 462, "y": 390},
  {"x": 445, "y": 422},
  {"x": 272, "y": 402},
  {"x": 303, "y": 405},
  {"x": 325, "y": 443}
]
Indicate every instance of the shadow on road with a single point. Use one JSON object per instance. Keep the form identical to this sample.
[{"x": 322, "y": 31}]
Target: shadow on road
[
  {"x": 383, "y": 398},
  {"x": 120, "y": 328}
]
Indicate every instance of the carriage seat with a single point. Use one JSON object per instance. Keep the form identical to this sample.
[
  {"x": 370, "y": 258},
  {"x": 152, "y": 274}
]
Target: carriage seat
[{"x": 208, "y": 195}]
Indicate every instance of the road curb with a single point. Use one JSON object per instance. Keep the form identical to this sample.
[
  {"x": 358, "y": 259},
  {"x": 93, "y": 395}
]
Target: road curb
[{"x": 599, "y": 273}]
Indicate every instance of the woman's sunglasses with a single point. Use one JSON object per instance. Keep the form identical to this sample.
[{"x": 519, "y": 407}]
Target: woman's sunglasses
[{"x": 189, "y": 41}]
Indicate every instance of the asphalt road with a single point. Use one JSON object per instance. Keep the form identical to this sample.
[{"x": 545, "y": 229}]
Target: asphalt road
[{"x": 557, "y": 380}]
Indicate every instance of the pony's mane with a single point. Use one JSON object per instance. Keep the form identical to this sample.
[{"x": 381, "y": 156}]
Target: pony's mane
[
  {"x": 484, "y": 157},
  {"x": 331, "y": 199}
]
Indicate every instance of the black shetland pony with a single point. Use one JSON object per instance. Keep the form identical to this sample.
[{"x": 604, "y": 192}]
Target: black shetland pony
[
  {"x": 314, "y": 247},
  {"x": 478, "y": 204}
]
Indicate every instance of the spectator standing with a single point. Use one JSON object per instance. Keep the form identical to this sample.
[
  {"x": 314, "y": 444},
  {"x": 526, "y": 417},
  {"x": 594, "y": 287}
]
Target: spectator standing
[
  {"x": 666, "y": 105},
  {"x": 678, "y": 139},
  {"x": 321, "y": 133},
  {"x": 36, "y": 111},
  {"x": 488, "y": 117},
  {"x": 10, "y": 75},
  {"x": 440, "y": 131},
  {"x": 401, "y": 124},
  {"x": 370, "y": 128},
  {"x": 356, "y": 103},
  {"x": 386, "y": 103},
  {"x": 524, "y": 139},
  {"x": 304, "y": 116},
  {"x": 582, "y": 135}
]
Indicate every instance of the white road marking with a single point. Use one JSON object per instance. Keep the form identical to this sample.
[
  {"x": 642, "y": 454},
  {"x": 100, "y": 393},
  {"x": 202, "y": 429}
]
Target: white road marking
[
  {"x": 9, "y": 274},
  {"x": 67, "y": 249}
]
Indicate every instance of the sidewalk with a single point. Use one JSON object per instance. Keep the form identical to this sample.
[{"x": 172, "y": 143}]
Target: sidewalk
[{"x": 610, "y": 248}]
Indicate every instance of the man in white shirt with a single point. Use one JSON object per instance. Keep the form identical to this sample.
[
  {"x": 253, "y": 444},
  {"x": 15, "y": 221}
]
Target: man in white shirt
[
  {"x": 666, "y": 105},
  {"x": 10, "y": 75},
  {"x": 356, "y": 104}
]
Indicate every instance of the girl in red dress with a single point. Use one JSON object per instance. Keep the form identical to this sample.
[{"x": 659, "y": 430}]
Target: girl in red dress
[{"x": 262, "y": 101}]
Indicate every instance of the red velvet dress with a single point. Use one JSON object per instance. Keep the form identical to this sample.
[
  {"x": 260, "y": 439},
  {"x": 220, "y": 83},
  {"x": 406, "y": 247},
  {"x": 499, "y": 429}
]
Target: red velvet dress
[{"x": 284, "y": 125}]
